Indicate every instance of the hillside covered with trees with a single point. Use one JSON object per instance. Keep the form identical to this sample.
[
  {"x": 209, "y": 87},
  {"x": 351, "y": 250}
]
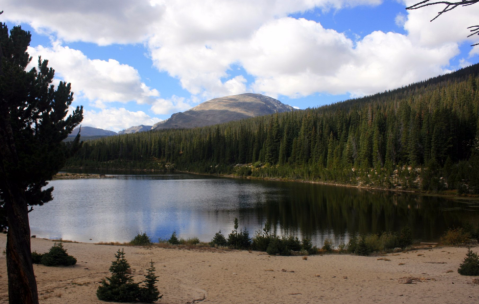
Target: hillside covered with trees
[{"x": 422, "y": 136}]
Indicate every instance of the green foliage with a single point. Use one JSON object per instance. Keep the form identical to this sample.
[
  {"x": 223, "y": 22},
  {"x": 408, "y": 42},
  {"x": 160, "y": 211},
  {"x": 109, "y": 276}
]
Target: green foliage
[
  {"x": 283, "y": 246},
  {"x": 372, "y": 242},
  {"x": 57, "y": 256},
  {"x": 34, "y": 122},
  {"x": 277, "y": 247},
  {"x": 307, "y": 245},
  {"x": 173, "y": 239},
  {"x": 405, "y": 237},
  {"x": 391, "y": 133},
  {"x": 328, "y": 245},
  {"x": 149, "y": 293},
  {"x": 36, "y": 257},
  {"x": 342, "y": 248},
  {"x": 388, "y": 241},
  {"x": 239, "y": 239},
  {"x": 455, "y": 236},
  {"x": 262, "y": 239},
  {"x": 219, "y": 240},
  {"x": 470, "y": 265},
  {"x": 120, "y": 286},
  {"x": 352, "y": 244},
  {"x": 141, "y": 239},
  {"x": 363, "y": 248},
  {"x": 190, "y": 241}
]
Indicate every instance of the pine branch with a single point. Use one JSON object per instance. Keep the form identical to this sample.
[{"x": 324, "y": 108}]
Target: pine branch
[{"x": 450, "y": 5}]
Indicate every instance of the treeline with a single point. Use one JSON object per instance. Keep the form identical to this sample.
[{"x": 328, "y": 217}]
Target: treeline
[{"x": 424, "y": 136}]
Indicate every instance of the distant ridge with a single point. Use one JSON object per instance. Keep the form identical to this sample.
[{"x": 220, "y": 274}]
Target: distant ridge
[
  {"x": 135, "y": 129},
  {"x": 90, "y": 131},
  {"x": 224, "y": 109}
]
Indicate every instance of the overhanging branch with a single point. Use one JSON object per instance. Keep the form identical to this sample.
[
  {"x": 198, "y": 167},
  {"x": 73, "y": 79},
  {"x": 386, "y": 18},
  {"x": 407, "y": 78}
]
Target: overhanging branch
[{"x": 449, "y": 6}]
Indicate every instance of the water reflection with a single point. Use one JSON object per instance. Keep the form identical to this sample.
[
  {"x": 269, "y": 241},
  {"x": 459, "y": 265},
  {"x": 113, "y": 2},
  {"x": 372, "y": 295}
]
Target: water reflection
[{"x": 116, "y": 209}]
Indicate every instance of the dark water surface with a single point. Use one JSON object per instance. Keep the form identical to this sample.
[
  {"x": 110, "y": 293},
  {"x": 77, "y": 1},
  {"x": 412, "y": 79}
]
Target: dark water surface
[{"x": 116, "y": 209}]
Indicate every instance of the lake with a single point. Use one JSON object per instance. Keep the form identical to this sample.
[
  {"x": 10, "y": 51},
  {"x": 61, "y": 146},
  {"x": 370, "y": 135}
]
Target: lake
[{"x": 118, "y": 208}]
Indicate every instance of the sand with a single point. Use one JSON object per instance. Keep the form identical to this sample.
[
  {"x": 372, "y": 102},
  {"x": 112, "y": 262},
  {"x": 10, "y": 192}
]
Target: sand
[{"x": 231, "y": 276}]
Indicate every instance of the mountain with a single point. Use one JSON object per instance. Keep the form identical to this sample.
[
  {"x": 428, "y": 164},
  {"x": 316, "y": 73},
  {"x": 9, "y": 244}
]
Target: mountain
[
  {"x": 224, "y": 109},
  {"x": 135, "y": 129},
  {"x": 90, "y": 131}
]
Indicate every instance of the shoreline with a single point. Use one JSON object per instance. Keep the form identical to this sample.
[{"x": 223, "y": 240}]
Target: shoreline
[
  {"x": 232, "y": 276},
  {"x": 276, "y": 179},
  {"x": 474, "y": 198}
]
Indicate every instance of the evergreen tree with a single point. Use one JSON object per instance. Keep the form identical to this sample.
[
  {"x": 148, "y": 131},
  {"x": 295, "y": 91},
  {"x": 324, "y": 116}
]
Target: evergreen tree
[
  {"x": 32, "y": 128},
  {"x": 149, "y": 293},
  {"x": 120, "y": 286}
]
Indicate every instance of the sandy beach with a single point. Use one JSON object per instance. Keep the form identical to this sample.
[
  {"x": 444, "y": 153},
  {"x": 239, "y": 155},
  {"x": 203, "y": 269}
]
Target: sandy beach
[{"x": 231, "y": 276}]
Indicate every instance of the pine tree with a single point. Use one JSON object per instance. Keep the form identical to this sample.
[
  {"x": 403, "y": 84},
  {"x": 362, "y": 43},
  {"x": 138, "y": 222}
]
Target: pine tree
[
  {"x": 149, "y": 293},
  {"x": 120, "y": 286},
  {"x": 33, "y": 125}
]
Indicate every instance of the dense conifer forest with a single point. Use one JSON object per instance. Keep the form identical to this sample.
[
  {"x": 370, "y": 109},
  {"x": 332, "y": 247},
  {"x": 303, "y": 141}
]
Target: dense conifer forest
[{"x": 423, "y": 136}]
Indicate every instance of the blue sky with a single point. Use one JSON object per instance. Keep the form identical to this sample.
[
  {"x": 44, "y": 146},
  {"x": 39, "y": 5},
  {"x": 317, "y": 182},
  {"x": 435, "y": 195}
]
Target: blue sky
[{"x": 138, "y": 62}]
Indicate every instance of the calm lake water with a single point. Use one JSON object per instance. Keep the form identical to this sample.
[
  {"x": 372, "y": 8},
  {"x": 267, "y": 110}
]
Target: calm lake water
[{"x": 116, "y": 209}]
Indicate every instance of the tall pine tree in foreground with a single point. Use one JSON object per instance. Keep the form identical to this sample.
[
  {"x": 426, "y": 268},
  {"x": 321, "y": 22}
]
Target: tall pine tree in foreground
[{"x": 33, "y": 125}]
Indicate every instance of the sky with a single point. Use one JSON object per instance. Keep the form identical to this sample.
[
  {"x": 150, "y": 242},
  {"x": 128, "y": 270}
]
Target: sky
[{"x": 133, "y": 62}]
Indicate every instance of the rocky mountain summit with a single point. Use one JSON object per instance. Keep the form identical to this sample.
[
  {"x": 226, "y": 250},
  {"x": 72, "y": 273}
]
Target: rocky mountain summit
[{"x": 224, "y": 109}]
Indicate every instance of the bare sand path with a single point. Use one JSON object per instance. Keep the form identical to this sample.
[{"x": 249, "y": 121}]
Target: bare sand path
[{"x": 216, "y": 276}]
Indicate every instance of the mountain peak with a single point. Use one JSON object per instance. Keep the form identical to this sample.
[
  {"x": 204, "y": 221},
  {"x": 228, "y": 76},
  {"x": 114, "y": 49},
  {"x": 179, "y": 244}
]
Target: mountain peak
[{"x": 224, "y": 109}]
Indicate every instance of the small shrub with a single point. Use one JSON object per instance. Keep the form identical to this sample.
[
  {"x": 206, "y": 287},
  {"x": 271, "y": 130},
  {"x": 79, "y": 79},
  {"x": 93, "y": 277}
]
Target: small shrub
[
  {"x": 58, "y": 256},
  {"x": 292, "y": 243},
  {"x": 405, "y": 237},
  {"x": 173, "y": 239},
  {"x": 190, "y": 241},
  {"x": 372, "y": 242},
  {"x": 362, "y": 247},
  {"x": 218, "y": 240},
  {"x": 352, "y": 244},
  {"x": 141, "y": 239},
  {"x": 307, "y": 245},
  {"x": 388, "y": 241},
  {"x": 283, "y": 246},
  {"x": 36, "y": 257},
  {"x": 455, "y": 236},
  {"x": 342, "y": 248},
  {"x": 328, "y": 245},
  {"x": 261, "y": 242},
  {"x": 262, "y": 239},
  {"x": 473, "y": 231},
  {"x": 239, "y": 240},
  {"x": 470, "y": 265},
  {"x": 275, "y": 246}
]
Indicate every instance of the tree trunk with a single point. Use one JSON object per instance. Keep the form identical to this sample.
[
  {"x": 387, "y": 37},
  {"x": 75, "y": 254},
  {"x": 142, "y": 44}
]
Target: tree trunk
[{"x": 22, "y": 286}]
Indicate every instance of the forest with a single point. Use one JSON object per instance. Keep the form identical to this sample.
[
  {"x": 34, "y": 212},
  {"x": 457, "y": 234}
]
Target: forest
[{"x": 424, "y": 136}]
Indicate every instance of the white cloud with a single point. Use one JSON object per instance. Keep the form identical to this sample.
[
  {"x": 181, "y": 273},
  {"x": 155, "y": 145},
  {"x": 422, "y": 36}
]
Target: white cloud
[
  {"x": 117, "y": 119},
  {"x": 400, "y": 20},
  {"x": 103, "y": 22},
  {"x": 449, "y": 27},
  {"x": 175, "y": 104},
  {"x": 98, "y": 80},
  {"x": 198, "y": 42},
  {"x": 325, "y": 61}
]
